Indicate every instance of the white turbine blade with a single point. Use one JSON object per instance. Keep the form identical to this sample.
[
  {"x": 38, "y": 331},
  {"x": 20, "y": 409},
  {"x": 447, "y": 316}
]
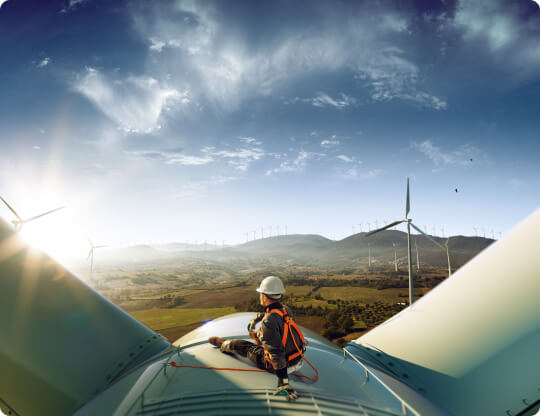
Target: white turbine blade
[
  {"x": 11, "y": 209},
  {"x": 425, "y": 235},
  {"x": 384, "y": 228},
  {"x": 99, "y": 246},
  {"x": 407, "y": 201},
  {"x": 90, "y": 241},
  {"x": 89, "y": 253},
  {"x": 45, "y": 213}
]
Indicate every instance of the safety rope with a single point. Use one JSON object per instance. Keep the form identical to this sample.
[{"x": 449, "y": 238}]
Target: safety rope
[{"x": 173, "y": 364}]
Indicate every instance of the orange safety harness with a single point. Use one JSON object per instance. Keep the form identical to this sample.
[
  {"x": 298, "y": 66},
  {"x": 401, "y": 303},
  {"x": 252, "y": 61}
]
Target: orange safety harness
[{"x": 288, "y": 323}]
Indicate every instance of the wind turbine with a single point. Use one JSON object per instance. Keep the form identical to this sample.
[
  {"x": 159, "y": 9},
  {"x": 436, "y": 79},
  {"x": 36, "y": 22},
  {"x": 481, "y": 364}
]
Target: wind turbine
[
  {"x": 91, "y": 255},
  {"x": 19, "y": 222},
  {"x": 409, "y": 225}
]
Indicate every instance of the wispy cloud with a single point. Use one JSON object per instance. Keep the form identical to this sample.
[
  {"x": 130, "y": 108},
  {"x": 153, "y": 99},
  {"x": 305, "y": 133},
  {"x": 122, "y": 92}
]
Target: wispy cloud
[
  {"x": 242, "y": 157},
  {"x": 324, "y": 100},
  {"x": 345, "y": 158},
  {"x": 292, "y": 165},
  {"x": 227, "y": 69},
  {"x": 134, "y": 103},
  {"x": 391, "y": 76},
  {"x": 464, "y": 155},
  {"x": 330, "y": 143},
  {"x": 172, "y": 157},
  {"x": 44, "y": 62},
  {"x": 353, "y": 173},
  {"x": 193, "y": 190}
]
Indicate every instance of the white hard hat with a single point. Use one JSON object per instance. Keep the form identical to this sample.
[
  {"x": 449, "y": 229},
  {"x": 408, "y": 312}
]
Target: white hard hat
[{"x": 271, "y": 286}]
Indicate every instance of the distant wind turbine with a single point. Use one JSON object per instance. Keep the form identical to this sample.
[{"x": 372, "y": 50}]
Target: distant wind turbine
[
  {"x": 19, "y": 222},
  {"x": 353, "y": 230},
  {"x": 360, "y": 225},
  {"x": 409, "y": 225},
  {"x": 91, "y": 255}
]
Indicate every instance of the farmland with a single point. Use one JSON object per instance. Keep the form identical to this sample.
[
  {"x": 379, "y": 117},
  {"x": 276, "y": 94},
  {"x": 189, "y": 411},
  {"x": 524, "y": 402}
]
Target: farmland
[{"x": 339, "y": 304}]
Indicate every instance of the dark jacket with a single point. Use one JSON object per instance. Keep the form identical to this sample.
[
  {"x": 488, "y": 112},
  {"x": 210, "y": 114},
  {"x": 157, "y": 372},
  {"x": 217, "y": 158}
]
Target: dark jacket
[{"x": 271, "y": 335}]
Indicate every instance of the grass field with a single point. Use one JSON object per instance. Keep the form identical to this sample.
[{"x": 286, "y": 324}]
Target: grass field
[
  {"x": 367, "y": 295},
  {"x": 159, "y": 319}
]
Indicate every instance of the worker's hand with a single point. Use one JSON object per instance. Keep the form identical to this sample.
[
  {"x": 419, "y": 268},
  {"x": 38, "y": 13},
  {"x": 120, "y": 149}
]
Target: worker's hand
[
  {"x": 254, "y": 337},
  {"x": 254, "y": 321},
  {"x": 285, "y": 389}
]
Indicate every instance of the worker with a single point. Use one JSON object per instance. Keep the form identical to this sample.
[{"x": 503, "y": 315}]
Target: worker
[{"x": 279, "y": 343}]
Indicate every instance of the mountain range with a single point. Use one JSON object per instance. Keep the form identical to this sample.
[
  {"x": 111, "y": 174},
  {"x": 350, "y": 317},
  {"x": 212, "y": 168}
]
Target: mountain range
[{"x": 312, "y": 249}]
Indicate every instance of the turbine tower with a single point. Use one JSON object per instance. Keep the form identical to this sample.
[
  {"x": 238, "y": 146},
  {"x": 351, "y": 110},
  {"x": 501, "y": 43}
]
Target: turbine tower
[
  {"x": 360, "y": 225},
  {"x": 19, "y": 222},
  {"x": 409, "y": 225},
  {"x": 91, "y": 256}
]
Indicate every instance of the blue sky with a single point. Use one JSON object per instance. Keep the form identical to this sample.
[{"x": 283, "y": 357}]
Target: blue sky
[{"x": 189, "y": 121}]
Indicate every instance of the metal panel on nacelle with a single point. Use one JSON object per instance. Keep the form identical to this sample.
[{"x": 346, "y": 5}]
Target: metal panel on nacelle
[
  {"x": 61, "y": 342},
  {"x": 345, "y": 386},
  {"x": 473, "y": 343}
]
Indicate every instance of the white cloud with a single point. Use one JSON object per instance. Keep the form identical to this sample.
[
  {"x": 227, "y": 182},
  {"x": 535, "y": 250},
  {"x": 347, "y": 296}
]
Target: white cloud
[
  {"x": 193, "y": 190},
  {"x": 294, "y": 165},
  {"x": 188, "y": 160},
  {"x": 224, "y": 69},
  {"x": 323, "y": 100},
  {"x": 345, "y": 158},
  {"x": 511, "y": 38},
  {"x": 391, "y": 76},
  {"x": 134, "y": 103},
  {"x": 460, "y": 156},
  {"x": 250, "y": 140},
  {"x": 240, "y": 159},
  {"x": 172, "y": 158},
  {"x": 44, "y": 62},
  {"x": 353, "y": 173},
  {"x": 331, "y": 142}
]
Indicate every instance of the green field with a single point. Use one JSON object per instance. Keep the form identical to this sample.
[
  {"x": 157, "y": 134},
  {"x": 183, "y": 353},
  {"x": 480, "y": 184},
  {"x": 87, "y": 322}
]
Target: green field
[
  {"x": 366, "y": 294},
  {"x": 158, "y": 319}
]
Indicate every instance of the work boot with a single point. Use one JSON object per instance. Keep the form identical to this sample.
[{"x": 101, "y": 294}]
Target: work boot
[{"x": 217, "y": 341}]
